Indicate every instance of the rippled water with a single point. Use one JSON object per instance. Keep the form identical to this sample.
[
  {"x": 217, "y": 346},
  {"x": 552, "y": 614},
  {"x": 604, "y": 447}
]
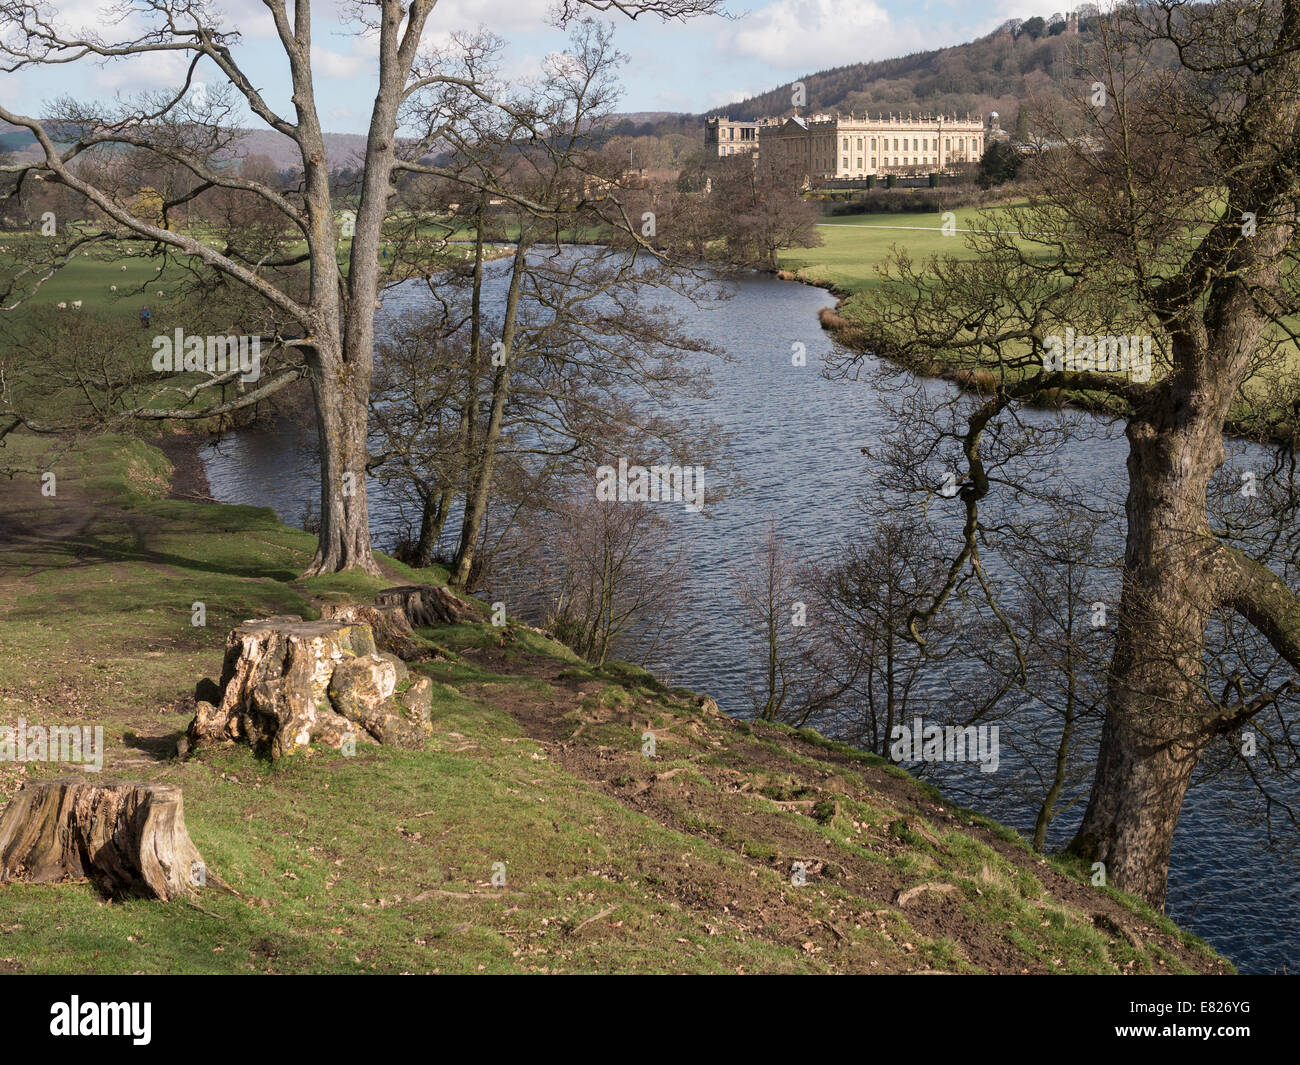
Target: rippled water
[{"x": 797, "y": 440}]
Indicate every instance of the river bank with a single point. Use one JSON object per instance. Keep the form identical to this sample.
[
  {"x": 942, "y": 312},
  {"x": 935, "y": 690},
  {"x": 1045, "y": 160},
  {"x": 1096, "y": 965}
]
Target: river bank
[
  {"x": 985, "y": 381},
  {"x": 846, "y": 266},
  {"x": 189, "y": 478}
]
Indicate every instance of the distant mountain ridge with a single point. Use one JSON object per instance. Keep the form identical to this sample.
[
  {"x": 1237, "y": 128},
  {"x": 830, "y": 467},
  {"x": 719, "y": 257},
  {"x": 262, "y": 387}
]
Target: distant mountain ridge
[{"x": 341, "y": 149}]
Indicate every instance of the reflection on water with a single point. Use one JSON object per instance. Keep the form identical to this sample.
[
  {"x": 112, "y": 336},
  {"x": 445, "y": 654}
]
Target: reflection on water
[{"x": 797, "y": 440}]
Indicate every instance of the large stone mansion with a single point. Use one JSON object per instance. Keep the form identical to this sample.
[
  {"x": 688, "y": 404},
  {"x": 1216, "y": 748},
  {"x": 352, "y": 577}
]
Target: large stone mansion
[{"x": 851, "y": 146}]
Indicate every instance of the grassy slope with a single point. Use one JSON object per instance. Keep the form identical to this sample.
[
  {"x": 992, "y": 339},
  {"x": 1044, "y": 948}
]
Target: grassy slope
[{"x": 383, "y": 861}]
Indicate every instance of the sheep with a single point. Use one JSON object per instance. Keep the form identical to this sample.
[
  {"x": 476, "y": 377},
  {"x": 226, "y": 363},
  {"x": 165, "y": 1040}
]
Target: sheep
[
  {"x": 112, "y": 288},
  {"x": 160, "y": 292},
  {"x": 63, "y": 306},
  {"x": 76, "y": 305}
]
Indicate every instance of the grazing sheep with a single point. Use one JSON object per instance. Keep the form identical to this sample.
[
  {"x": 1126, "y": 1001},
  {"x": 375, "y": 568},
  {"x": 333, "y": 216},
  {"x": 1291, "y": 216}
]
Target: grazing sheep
[
  {"x": 63, "y": 306},
  {"x": 112, "y": 288},
  {"x": 160, "y": 292},
  {"x": 76, "y": 305}
]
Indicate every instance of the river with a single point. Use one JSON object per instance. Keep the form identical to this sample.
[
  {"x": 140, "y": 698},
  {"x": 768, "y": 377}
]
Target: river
[{"x": 797, "y": 439}]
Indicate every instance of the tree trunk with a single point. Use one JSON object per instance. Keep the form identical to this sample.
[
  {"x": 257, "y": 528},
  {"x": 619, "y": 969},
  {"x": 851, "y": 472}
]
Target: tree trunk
[
  {"x": 1157, "y": 719},
  {"x": 433, "y": 516},
  {"x": 476, "y": 503},
  {"x": 1060, "y": 768},
  {"x": 341, "y": 428},
  {"x": 388, "y": 624},
  {"x": 477, "y": 497},
  {"x": 342, "y": 370},
  {"x": 128, "y": 839}
]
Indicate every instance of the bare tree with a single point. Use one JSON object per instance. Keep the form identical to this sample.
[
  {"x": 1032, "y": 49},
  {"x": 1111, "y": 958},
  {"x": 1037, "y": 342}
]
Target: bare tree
[
  {"x": 773, "y": 607},
  {"x": 1063, "y": 611},
  {"x": 602, "y": 574},
  {"x": 871, "y": 678},
  {"x": 758, "y": 211}
]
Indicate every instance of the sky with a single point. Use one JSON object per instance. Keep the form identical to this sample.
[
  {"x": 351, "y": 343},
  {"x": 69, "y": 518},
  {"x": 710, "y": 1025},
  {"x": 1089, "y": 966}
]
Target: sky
[{"x": 689, "y": 66}]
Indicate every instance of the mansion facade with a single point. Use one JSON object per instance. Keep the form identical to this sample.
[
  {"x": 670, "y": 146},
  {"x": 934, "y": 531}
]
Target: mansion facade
[
  {"x": 851, "y": 147},
  {"x": 726, "y": 136}
]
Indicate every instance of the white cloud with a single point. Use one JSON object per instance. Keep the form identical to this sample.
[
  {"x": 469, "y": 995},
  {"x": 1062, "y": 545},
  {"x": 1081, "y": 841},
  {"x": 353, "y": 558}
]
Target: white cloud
[
  {"x": 249, "y": 17},
  {"x": 81, "y": 16},
  {"x": 671, "y": 100},
  {"x": 722, "y": 97},
  {"x": 498, "y": 17},
  {"x": 521, "y": 67},
  {"x": 812, "y": 35},
  {"x": 157, "y": 70},
  {"x": 336, "y": 64}
]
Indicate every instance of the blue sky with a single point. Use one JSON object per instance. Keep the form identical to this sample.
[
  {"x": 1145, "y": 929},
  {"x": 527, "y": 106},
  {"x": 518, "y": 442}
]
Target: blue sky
[{"x": 691, "y": 66}]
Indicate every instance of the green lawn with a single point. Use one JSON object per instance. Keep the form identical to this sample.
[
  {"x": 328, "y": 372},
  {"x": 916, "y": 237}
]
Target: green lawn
[
  {"x": 856, "y": 244},
  {"x": 90, "y": 277}
]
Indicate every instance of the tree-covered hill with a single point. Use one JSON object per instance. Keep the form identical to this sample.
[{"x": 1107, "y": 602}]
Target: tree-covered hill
[{"x": 999, "y": 72}]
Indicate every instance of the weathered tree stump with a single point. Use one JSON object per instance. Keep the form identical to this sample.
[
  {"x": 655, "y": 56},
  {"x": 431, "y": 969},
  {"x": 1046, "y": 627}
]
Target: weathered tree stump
[
  {"x": 127, "y": 839},
  {"x": 428, "y": 604},
  {"x": 287, "y": 683},
  {"x": 389, "y": 624}
]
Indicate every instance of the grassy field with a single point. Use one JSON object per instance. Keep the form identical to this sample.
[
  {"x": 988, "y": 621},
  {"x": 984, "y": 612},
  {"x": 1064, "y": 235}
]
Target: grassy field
[
  {"x": 856, "y": 244},
  {"x": 91, "y": 277},
  {"x": 383, "y": 862}
]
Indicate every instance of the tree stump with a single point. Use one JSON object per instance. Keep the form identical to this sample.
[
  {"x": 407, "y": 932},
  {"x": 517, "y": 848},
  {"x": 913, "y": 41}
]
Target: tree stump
[
  {"x": 287, "y": 683},
  {"x": 127, "y": 839},
  {"x": 389, "y": 624},
  {"x": 428, "y": 604}
]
